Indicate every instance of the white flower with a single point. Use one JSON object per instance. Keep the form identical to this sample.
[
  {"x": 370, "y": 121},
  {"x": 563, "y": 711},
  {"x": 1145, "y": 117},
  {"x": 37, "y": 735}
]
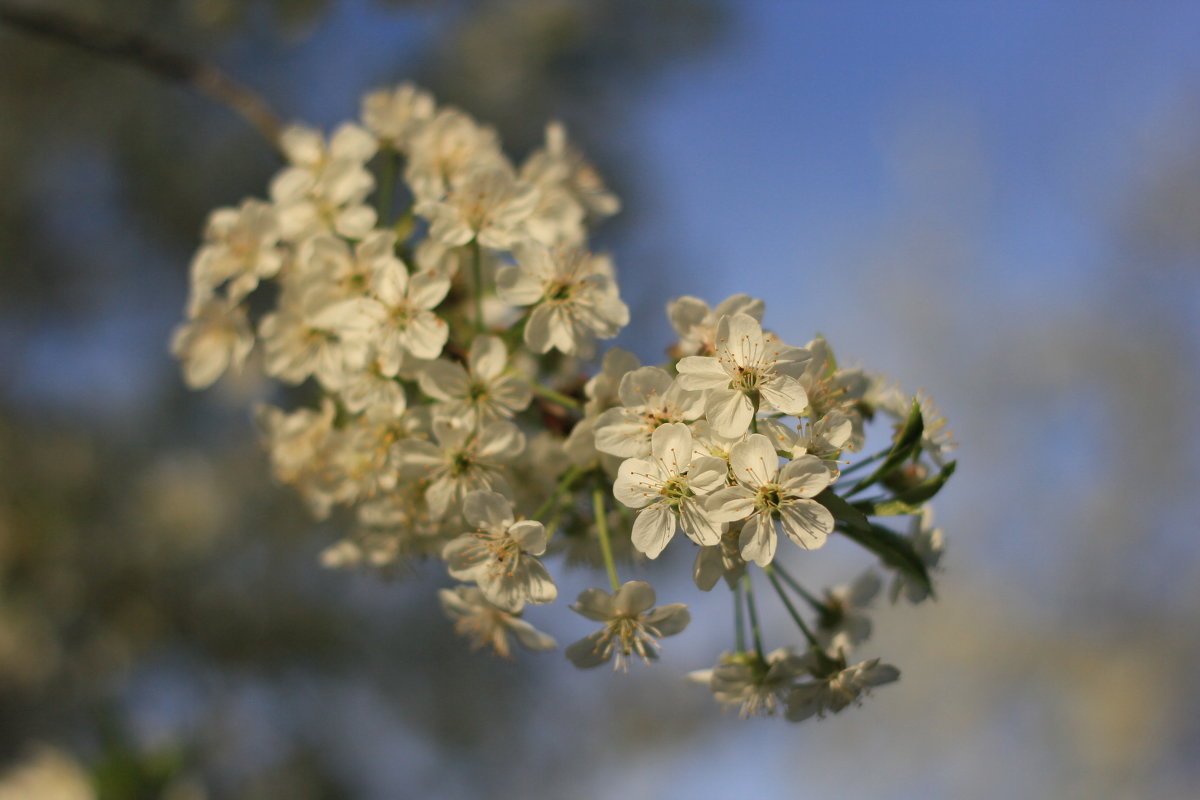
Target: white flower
[
  {"x": 487, "y": 204},
  {"x": 748, "y": 366},
  {"x": 444, "y": 148},
  {"x": 393, "y": 115},
  {"x": 752, "y": 685},
  {"x": 632, "y": 625},
  {"x": 462, "y": 461},
  {"x": 650, "y": 397},
  {"x": 500, "y": 554},
  {"x": 486, "y": 625},
  {"x": 214, "y": 339},
  {"x": 842, "y": 624},
  {"x": 405, "y": 315},
  {"x": 667, "y": 488},
  {"x": 241, "y": 247},
  {"x": 764, "y": 493},
  {"x": 838, "y": 689},
  {"x": 696, "y": 323},
  {"x": 313, "y": 336},
  {"x": 369, "y": 387},
  {"x": 324, "y": 188},
  {"x": 297, "y": 444},
  {"x": 603, "y": 389},
  {"x": 929, "y": 543},
  {"x": 573, "y": 294},
  {"x": 482, "y": 392},
  {"x": 561, "y": 166}
]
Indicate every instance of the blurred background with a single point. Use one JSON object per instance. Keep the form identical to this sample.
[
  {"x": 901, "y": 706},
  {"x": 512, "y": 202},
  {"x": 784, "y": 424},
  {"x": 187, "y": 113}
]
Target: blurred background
[{"x": 999, "y": 204}]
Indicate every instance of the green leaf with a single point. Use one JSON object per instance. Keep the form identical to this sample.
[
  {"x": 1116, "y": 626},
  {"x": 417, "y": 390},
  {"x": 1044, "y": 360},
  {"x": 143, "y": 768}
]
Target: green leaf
[
  {"x": 907, "y": 445},
  {"x": 894, "y": 550}
]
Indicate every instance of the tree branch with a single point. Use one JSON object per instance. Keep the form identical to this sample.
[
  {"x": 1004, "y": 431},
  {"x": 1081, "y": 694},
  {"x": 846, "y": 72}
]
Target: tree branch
[{"x": 152, "y": 57}]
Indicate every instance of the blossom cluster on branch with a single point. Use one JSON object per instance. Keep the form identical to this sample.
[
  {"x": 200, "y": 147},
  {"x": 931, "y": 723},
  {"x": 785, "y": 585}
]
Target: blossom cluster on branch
[{"x": 436, "y": 306}]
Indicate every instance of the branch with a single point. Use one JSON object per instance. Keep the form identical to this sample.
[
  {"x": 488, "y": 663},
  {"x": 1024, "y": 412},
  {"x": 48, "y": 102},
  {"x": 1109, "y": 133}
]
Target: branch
[{"x": 152, "y": 57}]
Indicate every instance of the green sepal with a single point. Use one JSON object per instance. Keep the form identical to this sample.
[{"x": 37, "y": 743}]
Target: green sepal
[
  {"x": 906, "y": 446},
  {"x": 911, "y": 500}
]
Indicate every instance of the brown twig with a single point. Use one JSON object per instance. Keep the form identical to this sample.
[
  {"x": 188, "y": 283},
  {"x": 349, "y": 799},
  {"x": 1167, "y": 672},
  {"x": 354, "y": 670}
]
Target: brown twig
[{"x": 199, "y": 75}]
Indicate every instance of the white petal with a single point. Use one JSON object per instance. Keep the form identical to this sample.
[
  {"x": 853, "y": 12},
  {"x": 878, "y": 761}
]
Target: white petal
[
  {"x": 758, "y": 540},
  {"x": 806, "y": 476},
  {"x": 638, "y": 483},
  {"x": 728, "y": 411},
  {"x": 652, "y": 529},
  {"x": 754, "y": 461},
  {"x": 807, "y": 523}
]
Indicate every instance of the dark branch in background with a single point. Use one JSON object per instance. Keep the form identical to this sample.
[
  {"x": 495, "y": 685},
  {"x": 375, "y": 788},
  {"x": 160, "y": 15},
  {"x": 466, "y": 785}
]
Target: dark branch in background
[{"x": 152, "y": 57}]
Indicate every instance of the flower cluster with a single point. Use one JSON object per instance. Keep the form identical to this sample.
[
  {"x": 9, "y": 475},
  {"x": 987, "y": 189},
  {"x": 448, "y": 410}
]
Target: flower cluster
[{"x": 434, "y": 304}]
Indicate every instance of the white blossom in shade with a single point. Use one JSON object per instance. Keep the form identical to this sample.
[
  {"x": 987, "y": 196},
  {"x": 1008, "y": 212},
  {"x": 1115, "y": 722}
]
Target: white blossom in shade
[
  {"x": 838, "y": 689},
  {"x": 369, "y": 388},
  {"x": 706, "y": 441},
  {"x": 831, "y": 388},
  {"x": 501, "y": 553},
  {"x": 433, "y": 256},
  {"x": 843, "y": 624},
  {"x": 632, "y": 626},
  {"x": 362, "y": 457},
  {"x": 750, "y": 684},
  {"x": 405, "y": 315},
  {"x": 444, "y": 148},
  {"x": 241, "y": 247},
  {"x": 667, "y": 489},
  {"x": 573, "y": 294},
  {"x": 463, "y": 460},
  {"x": 748, "y": 367},
  {"x": 696, "y": 324},
  {"x": 487, "y": 204},
  {"x": 558, "y": 165},
  {"x": 325, "y": 185},
  {"x": 650, "y": 397},
  {"x": 602, "y": 389},
  {"x": 929, "y": 543},
  {"x": 484, "y": 391},
  {"x": 722, "y": 560},
  {"x": 327, "y": 264},
  {"x": 485, "y": 625},
  {"x": 764, "y": 494},
  {"x": 394, "y": 114},
  {"x": 311, "y": 336},
  {"x": 216, "y": 338},
  {"x": 297, "y": 443}
]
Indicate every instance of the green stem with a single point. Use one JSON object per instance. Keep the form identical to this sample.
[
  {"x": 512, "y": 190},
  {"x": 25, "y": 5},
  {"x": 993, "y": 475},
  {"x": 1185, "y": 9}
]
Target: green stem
[
  {"x": 387, "y": 186},
  {"x": 865, "y": 462},
  {"x": 564, "y": 483},
  {"x": 754, "y": 401},
  {"x": 808, "y": 634},
  {"x": 605, "y": 544},
  {"x": 739, "y": 624},
  {"x": 818, "y": 606},
  {"x": 553, "y": 396},
  {"x": 477, "y": 276},
  {"x": 753, "y": 609}
]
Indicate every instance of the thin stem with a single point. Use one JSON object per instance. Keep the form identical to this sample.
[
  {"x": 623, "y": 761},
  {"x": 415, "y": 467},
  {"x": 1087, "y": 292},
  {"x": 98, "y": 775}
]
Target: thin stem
[
  {"x": 808, "y": 634},
  {"x": 153, "y": 58},
  {"x": 865, "y": 462},
  {"x": 477, "y": 276},
  {"x": 753, "y": 609},
  {"x": 739, "y": 623},
  {"x": 818, "y": 606},
  {"x": 387, "y": 185},
  {"x": 564, "y": 483},
  {"x": 553, "y": 396},
  {"x": 605, "y": 544}
]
